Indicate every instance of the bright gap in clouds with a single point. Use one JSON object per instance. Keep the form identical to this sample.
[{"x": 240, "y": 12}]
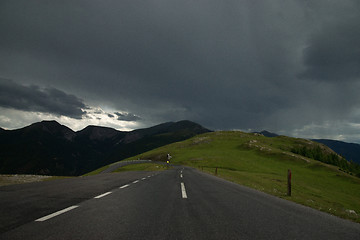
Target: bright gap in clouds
[{"x": 14, "y": 119}]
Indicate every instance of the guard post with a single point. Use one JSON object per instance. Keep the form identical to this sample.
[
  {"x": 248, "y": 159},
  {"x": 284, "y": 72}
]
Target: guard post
[{"x": 289, "y": 183}]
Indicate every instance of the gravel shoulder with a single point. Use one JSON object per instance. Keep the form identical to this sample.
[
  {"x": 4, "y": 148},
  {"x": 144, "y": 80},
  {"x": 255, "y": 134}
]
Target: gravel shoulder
[{"x": 6, "y": 179}]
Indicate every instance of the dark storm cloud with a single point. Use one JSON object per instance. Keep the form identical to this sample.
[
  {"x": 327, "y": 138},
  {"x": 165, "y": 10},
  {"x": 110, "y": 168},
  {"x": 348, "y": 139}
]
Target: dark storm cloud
[
  {"x": 127, "y": 116},
  {"x": 225, "y": 64},
  {"x": 334, "y": 53},
  {"x": 35, "y": 99}
]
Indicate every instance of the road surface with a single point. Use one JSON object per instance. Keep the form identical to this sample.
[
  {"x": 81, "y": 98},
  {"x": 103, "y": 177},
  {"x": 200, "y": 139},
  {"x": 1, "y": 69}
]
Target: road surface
[{"x": 180, "y": 203}]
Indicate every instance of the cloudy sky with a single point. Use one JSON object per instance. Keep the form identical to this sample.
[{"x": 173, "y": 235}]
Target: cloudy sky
[{"x": 287, "y": 66}]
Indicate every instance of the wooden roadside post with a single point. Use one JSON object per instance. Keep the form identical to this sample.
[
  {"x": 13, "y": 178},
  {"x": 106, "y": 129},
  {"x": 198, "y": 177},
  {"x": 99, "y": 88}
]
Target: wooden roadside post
[
  {"x": 216, "y": 171},
  {"x": 289, "y": 183}
]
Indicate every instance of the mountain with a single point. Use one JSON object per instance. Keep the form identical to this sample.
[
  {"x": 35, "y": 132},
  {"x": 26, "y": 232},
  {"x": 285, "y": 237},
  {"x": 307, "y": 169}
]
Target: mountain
[
  {"x": 96, "y": 133},
  {"x": 39, "y": 148},
  {"x": 50, "y": 148},
  {"x": 52, "y": 128},
  {"x": 351, "y": 151},
  {"x": 143, "y": 140}
]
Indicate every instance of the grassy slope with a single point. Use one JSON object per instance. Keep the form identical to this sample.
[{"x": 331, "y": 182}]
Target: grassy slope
[
  {"x": 262, "y": 163},
  {"x": 96, "y": 171},
  {"x": 142, "y": 167}
]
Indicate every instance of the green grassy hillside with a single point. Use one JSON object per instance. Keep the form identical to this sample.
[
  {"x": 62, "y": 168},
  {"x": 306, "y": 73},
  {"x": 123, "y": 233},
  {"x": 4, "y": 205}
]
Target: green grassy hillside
[{"x": 262, "y": 163}]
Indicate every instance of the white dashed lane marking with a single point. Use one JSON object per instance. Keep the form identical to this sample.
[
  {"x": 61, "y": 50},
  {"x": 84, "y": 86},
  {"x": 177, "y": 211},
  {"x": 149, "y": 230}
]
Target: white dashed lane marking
[
  {"x": 102, "y": 195},
  {"x": 56, "y": 214},
  {"x": 183, "y": 191},
  {"x": 73, "y": 207}
]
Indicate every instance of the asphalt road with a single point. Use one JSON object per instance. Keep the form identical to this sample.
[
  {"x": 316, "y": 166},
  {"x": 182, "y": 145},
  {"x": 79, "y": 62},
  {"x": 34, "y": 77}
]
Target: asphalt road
[
  {"x": 20, "y": 204},
  {"x": 180, "y": 203}
]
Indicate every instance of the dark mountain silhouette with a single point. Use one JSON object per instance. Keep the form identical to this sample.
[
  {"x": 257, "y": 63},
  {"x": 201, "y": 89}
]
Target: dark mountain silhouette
[
  {"x": 143, "y": 140},
  {"x": 351, "y": 151},
  {"x": 39, "y": 148},
  {"x": 50, "y": 148}
]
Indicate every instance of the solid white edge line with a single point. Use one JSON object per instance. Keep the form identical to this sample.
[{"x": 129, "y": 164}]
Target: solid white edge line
[
  {"x": 102, "y": 195},
  {"x": 124, "y": 186},
  {"x": 55, "y": 214},
  {"x": 183, "y": 191},
  {"x": 136, "y": 181}
]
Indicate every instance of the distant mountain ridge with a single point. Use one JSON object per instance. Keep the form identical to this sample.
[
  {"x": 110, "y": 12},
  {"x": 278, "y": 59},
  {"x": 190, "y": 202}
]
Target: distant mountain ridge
[
  {"x": 50, "y": 148},
  {"x": 350, "y": 151}
]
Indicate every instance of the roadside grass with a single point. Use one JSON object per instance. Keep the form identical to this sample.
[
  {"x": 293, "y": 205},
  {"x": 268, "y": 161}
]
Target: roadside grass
[
  {"x": 95, "y": 172},
  {"x": 57, "y": 178},
  {"x": 142, "y": 167},
  {"x": 262, "y": 163}
]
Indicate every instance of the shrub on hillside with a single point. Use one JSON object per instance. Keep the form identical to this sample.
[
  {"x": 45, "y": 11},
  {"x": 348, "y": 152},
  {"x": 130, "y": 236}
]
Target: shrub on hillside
[{"x": 320, "y": 154}]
